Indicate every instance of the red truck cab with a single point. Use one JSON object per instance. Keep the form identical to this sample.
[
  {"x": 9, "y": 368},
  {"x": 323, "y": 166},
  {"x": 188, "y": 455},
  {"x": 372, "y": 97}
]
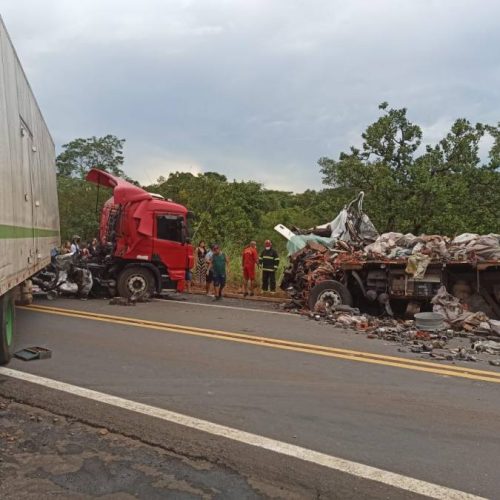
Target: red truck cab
[{"x": 147, "y": 237}]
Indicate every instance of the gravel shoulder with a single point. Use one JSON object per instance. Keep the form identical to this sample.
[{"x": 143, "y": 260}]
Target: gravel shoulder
[{"x": 47, "y": 455}]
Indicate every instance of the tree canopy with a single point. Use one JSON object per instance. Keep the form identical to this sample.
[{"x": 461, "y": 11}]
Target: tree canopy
[
  {"x": 442, "y": 188},
  {"x": 445, "y": 187},
  {"x": 80, "y": 155},
  {"x": 79, "y": 201}
]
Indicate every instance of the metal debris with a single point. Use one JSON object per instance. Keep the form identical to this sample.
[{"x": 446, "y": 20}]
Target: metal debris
[
  {"x": 346, "y": 262},
  {"x": 35, "y": 352},
  {"x": 442, "y": 344}
]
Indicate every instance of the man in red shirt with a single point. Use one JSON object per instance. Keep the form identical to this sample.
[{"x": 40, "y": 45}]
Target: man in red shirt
[{"x": 249, "y": 260}]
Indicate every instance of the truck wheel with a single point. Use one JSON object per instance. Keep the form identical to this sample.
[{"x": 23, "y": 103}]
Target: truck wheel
[
  {"x": 330, "y": 292},
  {"x": 135, "y": 281},
  {"x": 7, "y": 327}
]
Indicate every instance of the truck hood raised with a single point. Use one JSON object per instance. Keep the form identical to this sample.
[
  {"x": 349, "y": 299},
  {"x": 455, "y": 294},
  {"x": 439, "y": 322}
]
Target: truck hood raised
[{"x": 123, "y": 191}]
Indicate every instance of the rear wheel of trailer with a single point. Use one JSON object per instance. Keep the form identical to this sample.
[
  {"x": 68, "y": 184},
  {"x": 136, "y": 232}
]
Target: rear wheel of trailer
[{"x": 7, "y": 326}]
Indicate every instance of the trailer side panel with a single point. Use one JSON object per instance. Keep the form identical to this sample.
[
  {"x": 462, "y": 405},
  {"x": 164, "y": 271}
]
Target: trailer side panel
[{"x": 29, "y": 218}]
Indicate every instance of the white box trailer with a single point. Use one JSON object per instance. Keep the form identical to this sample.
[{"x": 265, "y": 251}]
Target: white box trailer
[{"x": 29, "y": 217}]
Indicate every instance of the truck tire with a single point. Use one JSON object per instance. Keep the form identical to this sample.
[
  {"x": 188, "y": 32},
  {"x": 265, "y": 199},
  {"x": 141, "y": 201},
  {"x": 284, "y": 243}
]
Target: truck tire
[
  {"x": 7, "y": 326},
  {"x": 135, "y": 282},
  {"x": 330, "y": 291}
]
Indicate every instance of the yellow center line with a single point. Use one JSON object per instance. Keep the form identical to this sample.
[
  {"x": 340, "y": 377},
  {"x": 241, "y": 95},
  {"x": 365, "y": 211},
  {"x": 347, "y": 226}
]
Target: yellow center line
[
  {"x": 226, "y": 334},
  {"x": 360, "y": 356}
]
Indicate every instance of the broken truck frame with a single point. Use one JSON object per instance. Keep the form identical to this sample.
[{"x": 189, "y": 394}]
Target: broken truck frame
[
  {"x": 340, "y": 271},
  {"x": 349, "y": 280}
]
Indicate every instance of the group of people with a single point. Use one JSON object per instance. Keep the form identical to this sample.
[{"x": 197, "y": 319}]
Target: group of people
[
  {"x": 212, "y": 266},
  {"x": 76, "y": 247}
]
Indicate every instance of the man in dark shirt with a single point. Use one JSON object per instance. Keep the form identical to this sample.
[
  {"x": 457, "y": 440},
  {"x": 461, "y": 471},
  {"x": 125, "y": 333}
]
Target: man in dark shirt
[{"x": 269, "y": 261}]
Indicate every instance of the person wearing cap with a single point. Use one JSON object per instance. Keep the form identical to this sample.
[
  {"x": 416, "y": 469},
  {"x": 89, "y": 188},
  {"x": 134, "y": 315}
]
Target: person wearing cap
[
  {"x": 269, "y": 261},
  {"x": 218, "y": 264},
  {"x": 249, "y": 259}
]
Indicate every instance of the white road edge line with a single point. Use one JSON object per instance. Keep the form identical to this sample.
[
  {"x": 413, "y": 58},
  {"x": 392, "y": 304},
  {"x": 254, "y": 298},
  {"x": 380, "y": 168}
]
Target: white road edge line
[
  {"x": 227, "y": 307},
  {"x": 346, "y": 466}
]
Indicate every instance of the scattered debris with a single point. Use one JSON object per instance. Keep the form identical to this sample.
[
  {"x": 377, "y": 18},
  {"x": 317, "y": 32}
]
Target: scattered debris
[
  {"x": 129, "y": 301},
  {"x": 121, "y": 301},
  {"x": 429, "y": 321},
  {"x": 35, "y": 352},
  {"x": 347, "y": 262},
  {"x": 433, "y": 341}
]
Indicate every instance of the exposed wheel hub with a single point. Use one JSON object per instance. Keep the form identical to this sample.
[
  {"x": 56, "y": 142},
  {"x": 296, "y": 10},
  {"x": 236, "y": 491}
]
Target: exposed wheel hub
[
  {"x": 137, "y": 284},
  {"x": 330, "y": 297}
]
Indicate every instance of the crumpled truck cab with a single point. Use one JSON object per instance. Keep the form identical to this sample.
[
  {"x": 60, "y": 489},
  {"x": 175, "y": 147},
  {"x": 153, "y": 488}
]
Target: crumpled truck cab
[{"x": 146, "y": 239}]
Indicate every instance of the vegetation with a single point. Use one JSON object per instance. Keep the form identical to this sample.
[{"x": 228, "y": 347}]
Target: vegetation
[
  {"x": 79, "y": 201},
  {"x": 80, "y": 155},
  {"x": 442, "y": 188}
]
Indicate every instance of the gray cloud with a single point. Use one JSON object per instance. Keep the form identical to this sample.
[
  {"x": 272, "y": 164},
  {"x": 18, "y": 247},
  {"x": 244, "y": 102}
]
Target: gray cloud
[{"x": 255, "y": 90}]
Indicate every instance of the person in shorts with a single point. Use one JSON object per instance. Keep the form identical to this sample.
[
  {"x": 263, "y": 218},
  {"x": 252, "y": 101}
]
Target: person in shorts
[
  {"x": 218, "y": 264},
  {"x": 187, "y": 280}
]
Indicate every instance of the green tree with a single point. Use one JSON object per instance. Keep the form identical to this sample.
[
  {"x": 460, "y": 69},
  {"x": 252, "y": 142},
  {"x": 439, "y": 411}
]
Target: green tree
[
  {"x": 445, "y": 189},
  {"x": 494, "y": 153},
  {"x": 80, "y": 155},
  {"x": 79, "y": 201},
  {"x": 79, "y": 211}
]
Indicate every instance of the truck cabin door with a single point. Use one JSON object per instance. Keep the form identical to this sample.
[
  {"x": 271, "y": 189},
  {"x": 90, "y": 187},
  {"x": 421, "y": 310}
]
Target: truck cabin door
[{"x": 169, "y": 243}]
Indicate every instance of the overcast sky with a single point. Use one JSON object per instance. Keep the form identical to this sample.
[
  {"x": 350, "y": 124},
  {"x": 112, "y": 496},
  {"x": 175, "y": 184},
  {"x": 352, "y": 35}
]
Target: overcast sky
[{"x": 254, "y": 89}]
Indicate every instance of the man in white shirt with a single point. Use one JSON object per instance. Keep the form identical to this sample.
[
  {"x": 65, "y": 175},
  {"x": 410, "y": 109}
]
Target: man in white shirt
[{"x": 75, "y": 245}]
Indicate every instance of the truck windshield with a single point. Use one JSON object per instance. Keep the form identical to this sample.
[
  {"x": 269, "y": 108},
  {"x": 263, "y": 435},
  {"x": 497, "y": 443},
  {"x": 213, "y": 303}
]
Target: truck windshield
[{"x": 169, "y": 227}]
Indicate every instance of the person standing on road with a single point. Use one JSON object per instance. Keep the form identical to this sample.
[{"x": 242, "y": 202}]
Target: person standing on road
[
  {"x": 269, "y": 261},
  {"x": 188, "y": 278},
  {"x": 218, "y": 264},
  {"x": 250, "y": 258},
  {"x": 209, "y": 271},
  {"x": 201, "y": 264}
]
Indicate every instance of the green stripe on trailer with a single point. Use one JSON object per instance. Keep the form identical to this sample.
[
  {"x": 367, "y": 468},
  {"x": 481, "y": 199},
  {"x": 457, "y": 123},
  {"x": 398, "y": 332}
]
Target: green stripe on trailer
[{"x": 13, "y": 232}]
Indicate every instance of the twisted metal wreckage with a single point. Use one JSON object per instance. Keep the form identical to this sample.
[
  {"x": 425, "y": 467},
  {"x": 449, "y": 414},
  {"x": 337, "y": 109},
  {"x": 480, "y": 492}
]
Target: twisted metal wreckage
[{"x": 347, "y": 263}]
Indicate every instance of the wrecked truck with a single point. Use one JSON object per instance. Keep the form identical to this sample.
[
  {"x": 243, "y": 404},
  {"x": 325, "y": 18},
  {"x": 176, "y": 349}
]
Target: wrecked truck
[
  {"x": 346, "y": 263},
  {"x": 144, "y": 241}
]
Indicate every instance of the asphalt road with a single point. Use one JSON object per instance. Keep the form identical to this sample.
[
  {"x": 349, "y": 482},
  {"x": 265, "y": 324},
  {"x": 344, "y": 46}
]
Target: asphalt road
[{"x": 422, "y": 423}]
